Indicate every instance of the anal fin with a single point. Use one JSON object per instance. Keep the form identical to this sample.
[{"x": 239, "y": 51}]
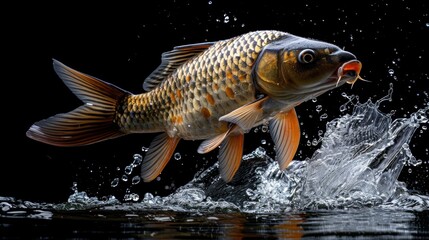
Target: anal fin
[
  {"x": 160, "y": 151},
  {"x": 285, "y": 132}
]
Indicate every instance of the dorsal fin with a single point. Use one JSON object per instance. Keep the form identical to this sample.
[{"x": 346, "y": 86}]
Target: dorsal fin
[{"x": 171, "y": 60}]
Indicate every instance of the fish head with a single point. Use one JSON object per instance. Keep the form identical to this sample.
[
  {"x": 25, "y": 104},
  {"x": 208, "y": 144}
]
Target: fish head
[{"x": 296, "y": 69}]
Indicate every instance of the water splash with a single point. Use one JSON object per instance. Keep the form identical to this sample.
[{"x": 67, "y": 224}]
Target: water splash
[
  {"x": 357, "y": 165},
  {"x": 360, "y": 160}
]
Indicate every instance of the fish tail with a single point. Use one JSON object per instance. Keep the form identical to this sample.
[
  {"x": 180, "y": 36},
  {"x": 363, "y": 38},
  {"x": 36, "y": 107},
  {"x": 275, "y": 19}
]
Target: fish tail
[{"x": 90, "y": 123}]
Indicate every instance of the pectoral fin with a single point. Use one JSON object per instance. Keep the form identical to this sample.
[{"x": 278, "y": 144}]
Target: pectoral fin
[
  {"x": 160, "y": 151},
  {"x": 285, "y": 132},
  {"x": 230, "y": 154},
  {"x": 246, "y": 116}
]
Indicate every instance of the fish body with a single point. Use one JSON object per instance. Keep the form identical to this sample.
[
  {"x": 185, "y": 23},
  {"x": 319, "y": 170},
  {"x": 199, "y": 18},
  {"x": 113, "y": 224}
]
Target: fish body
[
  {"x": 189, "y": 102},
  {"x": 213, "y": 91}
]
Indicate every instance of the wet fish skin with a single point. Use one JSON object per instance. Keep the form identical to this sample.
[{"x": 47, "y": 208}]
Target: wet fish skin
[
  {"x": 214, "y": 91},
  {"x": 189, "y": 102}
]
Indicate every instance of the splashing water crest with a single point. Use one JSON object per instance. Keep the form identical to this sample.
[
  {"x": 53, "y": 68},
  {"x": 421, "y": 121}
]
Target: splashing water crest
[
  {"x": 357, "y": 165},
  {"x": 360, "y": 160}
]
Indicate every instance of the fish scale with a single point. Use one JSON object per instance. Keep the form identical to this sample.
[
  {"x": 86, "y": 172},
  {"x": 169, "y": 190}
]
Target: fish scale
[
  {"x": 190, "y": 101},
  {"x": 206, "y": 91}
]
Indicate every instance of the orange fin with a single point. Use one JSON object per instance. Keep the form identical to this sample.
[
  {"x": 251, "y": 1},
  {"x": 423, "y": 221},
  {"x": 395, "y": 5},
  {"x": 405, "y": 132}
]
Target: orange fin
[
  {"x": 246, "y": 116},
  {"x": 87, "y": 124},
  {"x": 209, "y": 144},
  {"x": 160, "y": 151},
  {"x": 230, "y": 154},
  {"x": 171, "y": 60},
  {"x": 285, "y": 132}
]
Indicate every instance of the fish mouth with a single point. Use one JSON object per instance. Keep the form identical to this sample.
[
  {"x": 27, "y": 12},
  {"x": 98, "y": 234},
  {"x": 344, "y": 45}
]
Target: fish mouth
[{"x": 348, "y": 72}]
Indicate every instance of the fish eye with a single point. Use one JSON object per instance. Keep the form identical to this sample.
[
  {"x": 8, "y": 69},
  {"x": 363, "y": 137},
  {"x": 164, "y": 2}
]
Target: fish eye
[{"x": 306, "y": 56}]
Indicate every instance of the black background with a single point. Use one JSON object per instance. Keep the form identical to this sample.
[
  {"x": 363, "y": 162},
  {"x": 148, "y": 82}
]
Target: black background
[{"x": 123, "y": 44}]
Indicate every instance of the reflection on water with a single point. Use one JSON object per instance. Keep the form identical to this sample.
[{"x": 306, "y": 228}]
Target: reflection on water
[
  {"x": 348, "y": 188},
  {"x": 363, "y": 223}
]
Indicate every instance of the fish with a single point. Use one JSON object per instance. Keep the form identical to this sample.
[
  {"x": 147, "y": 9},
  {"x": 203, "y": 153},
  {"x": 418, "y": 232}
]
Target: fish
[{"x": 215, "y": 92}]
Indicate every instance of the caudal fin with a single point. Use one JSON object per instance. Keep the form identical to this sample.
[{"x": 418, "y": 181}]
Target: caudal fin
[{"x": 90, "y": 123}]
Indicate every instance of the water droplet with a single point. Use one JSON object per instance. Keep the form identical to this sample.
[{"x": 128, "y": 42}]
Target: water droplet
[
  {"x": 135, "y": 180},
  {"x": 74, "y": 187},
  {"x": 264, "y": 128},
  {"x": 145, "y": 149},
  {"x": 391, "y": 72},
  {"x": 256, "y": 130},
  {"x": 137, "y": 160},
  {"x": 124, "y": 178},
  {"x": 177, "y": 156},
  {"x": 427, "y": 24},
  {"x": 263, "y": 141},
  {"x": 416, "y": 162},
  {"x": 114, "y": 182},
  {"x": 410, "y": 170},
  {"x": 318, "y": 108},
  {"x": 128, "y": 169},
  {"x": 323, "y": 116},
  {"x": 343, "y": 107},
  {"x": 225, "y": 18},
  {"x": 308, "y": 143},
  {"x": 315, "y": 142},
  {"x": 131, "y": 197},
  {"x": 210, "y": 2},
  {"x": 320, "y": 132},
  {"x": 314, "y": 99}
]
